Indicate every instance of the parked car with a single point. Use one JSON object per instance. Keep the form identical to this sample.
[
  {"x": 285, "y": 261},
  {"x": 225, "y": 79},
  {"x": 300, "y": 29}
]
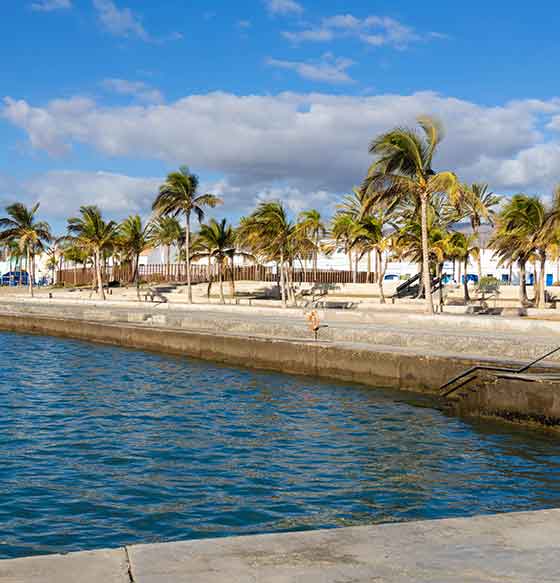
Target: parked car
[{"x": 13, "y": 278}]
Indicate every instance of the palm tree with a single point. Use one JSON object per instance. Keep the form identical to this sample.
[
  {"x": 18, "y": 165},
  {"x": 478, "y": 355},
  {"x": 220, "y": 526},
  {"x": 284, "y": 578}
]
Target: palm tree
[
  {"x": 367, "y": 236},
  {"x": 167, "y": 232},
  {"x": 529, "y": 220},
  {"x": 217, "y": 242},
  {"x": 479, "y": 206},
  {"x": 461, "y": 247},
  {"x": 268, "y": 233},
  {"x": 134, "y": 238},
  {"x": 91, "y": 233},
  {"x": 21, "y": 226},
  {"x": 403, "y": 169},
  {"x": 343, "y": 228},
  {"x": 312, "y": 226},
  {"x": 178, "y": 195},
  {"x": 76, "y": 255}
]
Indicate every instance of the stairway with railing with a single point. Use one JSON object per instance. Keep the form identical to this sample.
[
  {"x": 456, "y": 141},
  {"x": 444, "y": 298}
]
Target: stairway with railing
[
  {"x": 410, "y": 287},
  {"x": 463, "y": 379}
]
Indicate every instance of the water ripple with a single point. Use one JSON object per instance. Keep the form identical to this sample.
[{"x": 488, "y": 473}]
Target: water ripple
[{"x": 103, "y": 446}]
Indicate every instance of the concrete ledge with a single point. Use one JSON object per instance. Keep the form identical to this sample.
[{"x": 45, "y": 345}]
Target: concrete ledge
[
  {"x": 514, "y": 548},
  {"x": 380, "y": 366},
  {"x": 104, "y": 566}
]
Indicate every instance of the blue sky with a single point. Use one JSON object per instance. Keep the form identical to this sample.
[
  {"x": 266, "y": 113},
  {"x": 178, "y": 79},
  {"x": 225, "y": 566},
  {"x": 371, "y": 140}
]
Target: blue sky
[{"x": 266, "y": 98}]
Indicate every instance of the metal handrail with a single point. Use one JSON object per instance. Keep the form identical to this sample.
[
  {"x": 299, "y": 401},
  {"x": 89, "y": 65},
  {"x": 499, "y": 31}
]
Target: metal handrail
[{"x": 474, "y": 369}]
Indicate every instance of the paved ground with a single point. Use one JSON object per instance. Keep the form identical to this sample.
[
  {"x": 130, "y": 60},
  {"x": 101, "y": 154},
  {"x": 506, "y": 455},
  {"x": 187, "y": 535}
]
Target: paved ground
[
  {"x": 512, "y": 548},
  {"x": 474, "y": 336}
]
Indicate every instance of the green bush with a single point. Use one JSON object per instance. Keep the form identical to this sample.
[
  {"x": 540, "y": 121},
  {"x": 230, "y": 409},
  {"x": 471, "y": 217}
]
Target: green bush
[{"x": 488, "y": 283}]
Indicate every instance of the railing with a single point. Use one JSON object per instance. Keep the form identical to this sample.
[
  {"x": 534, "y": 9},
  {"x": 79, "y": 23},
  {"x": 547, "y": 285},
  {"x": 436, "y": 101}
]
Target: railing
[
  {"x": 176, "y": 273},
  {"x": 464, "y": 376}
]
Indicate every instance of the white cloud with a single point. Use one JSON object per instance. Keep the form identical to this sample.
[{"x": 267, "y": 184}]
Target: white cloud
[
  {"x": 284, "y": 7},
  {"x": 139, "y": 89},
  {"x": 119, "y": 21},
  {"x": 61, "y": 193},
  {"x": 51, "y": 5},
  {"x": 372, "y": 30},
  {"x": 329, "y": 70},
  {"x": 310, "y": 142},
  {"x": 125, "y": 23}
]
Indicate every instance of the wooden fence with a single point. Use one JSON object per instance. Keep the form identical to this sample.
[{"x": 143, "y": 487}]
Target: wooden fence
[{"x": 176, "y": 273}]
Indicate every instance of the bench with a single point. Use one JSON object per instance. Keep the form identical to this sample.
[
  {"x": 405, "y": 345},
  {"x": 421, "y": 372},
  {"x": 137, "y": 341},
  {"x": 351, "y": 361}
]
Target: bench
[
  {"x": 154, "y": 294},
  {"x": 330, "y": 305}
]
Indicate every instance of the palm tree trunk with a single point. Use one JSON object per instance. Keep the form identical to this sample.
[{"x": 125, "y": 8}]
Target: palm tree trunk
[
  {"x": 542, "y": 280},
  {"x": 356, "y": 260},
  {"x": 232, "y": 278},
  {"x": 29, "y": 274},
  {"x": 188, "y": 255},
  {"x": 349, "y": 253},
  {"x": 557, "y": 271},
  {"x": 466, "y": 296},
  {"x": 522, "y": 283},
  {"x": 479, "y": 262},
  {"x": 97, "y": 266},
  {"x": 368, "y": 276},
  {"x": 440, "y": 285},
  {"x": 168, "y": 263},
  {"x": 315, "y": 256},
  {"x": 137, "y": 276},
  {"x": 382, "y": 270},
  {"x": 459, "y": 271},
  {"x": 426, "y": 256},
  {"x": 282, "y": 281},
  {"x": 221, "y": 280}
]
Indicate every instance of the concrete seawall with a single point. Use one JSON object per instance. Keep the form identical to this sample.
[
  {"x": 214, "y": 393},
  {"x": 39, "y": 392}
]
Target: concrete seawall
[
  {"x": 517, "y": 548},
  {"x": 383, "y": 366},
  {"x": 416, "y": 354}
]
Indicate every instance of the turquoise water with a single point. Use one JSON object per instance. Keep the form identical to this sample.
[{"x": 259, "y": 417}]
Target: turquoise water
[{"x": 101, "y": 446}]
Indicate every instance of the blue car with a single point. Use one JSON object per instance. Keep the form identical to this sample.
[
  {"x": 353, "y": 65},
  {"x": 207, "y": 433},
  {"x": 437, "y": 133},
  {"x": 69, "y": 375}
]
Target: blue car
[{"x": 13, "y": 278}]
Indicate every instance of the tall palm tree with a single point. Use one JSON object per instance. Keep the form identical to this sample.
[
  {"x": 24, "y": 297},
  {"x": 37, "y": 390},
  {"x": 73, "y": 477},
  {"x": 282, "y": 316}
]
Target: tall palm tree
[
  {"x": 311, "y": 224},
  {"x": 217, "y": 241},
  {"x": 268, "y": 233},
  {"x": 178, "y": 196},
  {"x": 76, "y": 255},
  {"x": 343, "y": 229},
  {"x": 478, "y": 204},
  {"x": 403, "y": 169},
  {"x": 134, "y": 238},
  {"x": 91, "y": 233},
  {"x": 167, "y": 232},
  {"x": 30, "y": 235},
  {"x": 527, "y": 218},
  {"x": 368, "y": 236},
  {"x": 461, "y": 247}
]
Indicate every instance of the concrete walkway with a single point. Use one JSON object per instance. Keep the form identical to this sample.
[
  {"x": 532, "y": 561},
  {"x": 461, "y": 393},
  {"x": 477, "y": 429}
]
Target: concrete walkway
[{"x": 513, "y": 548}]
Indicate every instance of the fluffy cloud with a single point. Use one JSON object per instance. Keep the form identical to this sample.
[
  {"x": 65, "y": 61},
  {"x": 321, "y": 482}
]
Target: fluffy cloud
[
  {"x": 328, "y": 70},
  {"x": 61, "y": 193},
  {"x": 373, "y": 30},
  {"x": 137, "y": 89},
  {"x": 120, "y": 22},
  {"x": 51, "y": 5},
  {"x": 301, "y": 143},
  {"x": 284, "y": 7},
  {"x": 125, "y": 23}
]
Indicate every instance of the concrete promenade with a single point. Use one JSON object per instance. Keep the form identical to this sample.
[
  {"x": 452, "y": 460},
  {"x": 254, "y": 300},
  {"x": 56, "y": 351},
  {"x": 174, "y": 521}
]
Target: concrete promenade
[{"x": 509, "y": 548}]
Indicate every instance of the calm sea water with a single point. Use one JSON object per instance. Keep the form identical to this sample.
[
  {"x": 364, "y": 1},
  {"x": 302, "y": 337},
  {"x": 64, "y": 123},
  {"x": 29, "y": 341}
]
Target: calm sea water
[{"x": 101, "y": 446}]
